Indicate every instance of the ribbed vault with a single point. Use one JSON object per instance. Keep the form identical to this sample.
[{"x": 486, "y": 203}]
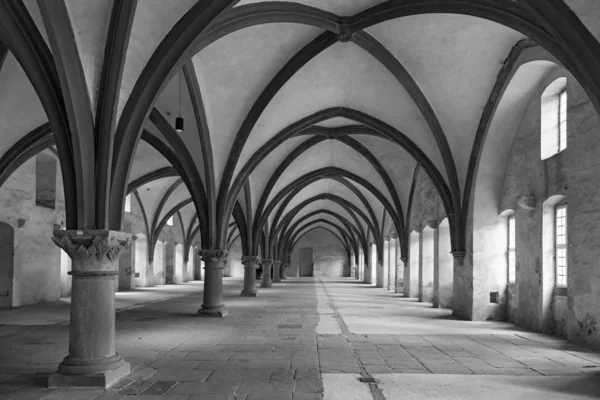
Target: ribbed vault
[{"x": 298, "y": 114}]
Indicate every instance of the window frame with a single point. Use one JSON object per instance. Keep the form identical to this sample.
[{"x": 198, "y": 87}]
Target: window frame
[
  {"x": 562, "y": 130},
  {"x": 561, "y": 247},
  {"x": 511, "y": 253}
]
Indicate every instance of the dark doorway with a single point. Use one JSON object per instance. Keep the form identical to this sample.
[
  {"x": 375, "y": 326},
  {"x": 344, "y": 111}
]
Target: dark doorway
[
  {"x": 7, "y": 245},
  {"x": 306, "y": 261}
]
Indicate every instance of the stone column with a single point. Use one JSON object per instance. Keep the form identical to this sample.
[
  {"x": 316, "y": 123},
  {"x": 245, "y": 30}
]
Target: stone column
[
  {"x": 385, "y": 277},
  {"x": 250, "y": 266},
  {"x": 92, "y": 359},
  {"x": 214, "y": 263},
  {"x": 266, "y": 276},
  {"x": 400, "y": 267},
  {"x": 462, "y": 304},
  {"x": 170, "y": 262},
  {"x": 284, "y": 265},
  {"x": 276, "y": 271}
]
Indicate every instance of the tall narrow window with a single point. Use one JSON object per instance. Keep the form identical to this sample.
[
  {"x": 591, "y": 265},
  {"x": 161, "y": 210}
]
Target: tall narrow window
[
  {"x": 512, "y": 273},
  {"x": 553, "y": 125},
  {"x": 561, "y": 245},
  {"x": 170, "y": 221},
  {"x": 562, "y": 120},
  {"x": 128, "y": 203},
  {"x": 45, "y": 181}
]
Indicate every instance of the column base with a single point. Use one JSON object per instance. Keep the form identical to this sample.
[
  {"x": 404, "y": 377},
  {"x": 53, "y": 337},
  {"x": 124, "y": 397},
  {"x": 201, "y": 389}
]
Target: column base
[
  {"x": 266, "y": 284},
  {"x": 248, "y": 294},
  {"x": 277, "y": 281},
  {"x": 213, "y": 311},
  {"x": 102, "y": 379}
]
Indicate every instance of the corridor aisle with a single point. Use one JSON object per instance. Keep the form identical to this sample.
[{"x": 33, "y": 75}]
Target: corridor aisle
[
  {"x": 301, "y": 337},
  {"x": 417, "y": 352}
]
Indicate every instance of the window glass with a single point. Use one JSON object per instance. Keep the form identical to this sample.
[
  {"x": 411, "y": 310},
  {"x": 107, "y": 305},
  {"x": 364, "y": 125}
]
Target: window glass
[
  {"x": 511, "y": 249},
  {"x": 562, "y": 121},
  {"x": 170, "y": 221},
  {"x": 561, "y": 245}
]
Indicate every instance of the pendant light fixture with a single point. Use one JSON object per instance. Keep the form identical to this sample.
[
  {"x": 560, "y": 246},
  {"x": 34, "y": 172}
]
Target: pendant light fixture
[{"x": 179, "y": 119}]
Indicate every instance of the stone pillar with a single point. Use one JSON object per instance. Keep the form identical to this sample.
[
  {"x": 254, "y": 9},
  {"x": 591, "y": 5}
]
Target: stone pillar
[
  {"x": 170, "y": 262},
  {"x": 149, "y": 271},
  {"x": 379, "y": 273},
  {"x": 386, "y": 264},
  {"x": 250, "y": 265},
  {"x": 126, "y": 279},
  {"x": 282, "y": 270},
  {"x": 277, "y": 271},
  {"x": 92, "y": 359},
  {"x": 462, "y": 302},
  {"x": 266, "y": 275},
  {"x": 214, "y": 263},
  {"x": 400, "y": 267}
]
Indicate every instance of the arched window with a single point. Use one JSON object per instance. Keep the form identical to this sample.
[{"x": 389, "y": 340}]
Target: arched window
[
  {"x": 511, "y": 251},
  {"x": 561, "y": 244},
  {"x": 554, "y": 118},
  {"x": 170, "y": 221}
]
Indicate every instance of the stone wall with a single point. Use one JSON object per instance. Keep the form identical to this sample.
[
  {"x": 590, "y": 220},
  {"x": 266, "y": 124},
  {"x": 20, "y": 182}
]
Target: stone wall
[
  {"x": 329, "y": 255},
  {"x": 37, "y": 260},
  {"x": 40, "y": 270},
  {"x": 234, "y": 266},
  {"x": 572, "y": 174}
]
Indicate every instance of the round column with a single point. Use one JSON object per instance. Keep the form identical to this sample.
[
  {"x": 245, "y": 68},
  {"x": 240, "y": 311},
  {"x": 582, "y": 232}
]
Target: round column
[
  {"x": 282, "y": 271},
  {"x": 266, "y": 276},
  {"x": 92, "y": 359},
  {"x": 250, "y": 265},
  {"x": 214, "y": 263},
  {"x": 276, "y": 271}
]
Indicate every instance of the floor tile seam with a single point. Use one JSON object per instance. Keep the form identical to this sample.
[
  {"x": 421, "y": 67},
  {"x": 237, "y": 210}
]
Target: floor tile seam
[
  {"x": 540, "y": 343},
  {"x": 376, "y": 392}
]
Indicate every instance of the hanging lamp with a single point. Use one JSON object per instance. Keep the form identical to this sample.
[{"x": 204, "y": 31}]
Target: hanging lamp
[{"x": 179, "y": 119}]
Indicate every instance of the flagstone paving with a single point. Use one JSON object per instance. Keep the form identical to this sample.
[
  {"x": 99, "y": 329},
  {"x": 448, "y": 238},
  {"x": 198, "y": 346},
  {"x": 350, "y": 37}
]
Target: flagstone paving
[{"x": 301, "y": 338}]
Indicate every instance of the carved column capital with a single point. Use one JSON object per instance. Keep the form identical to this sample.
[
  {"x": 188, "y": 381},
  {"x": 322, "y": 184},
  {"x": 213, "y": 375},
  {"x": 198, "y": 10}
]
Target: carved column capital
[
  {"x": 249, "y": 260},
  {"x": 277, "y": 263},
  {"x": 93, "y": 252},
  {"x": 267, "y": 261},
  {"x": 213, "y": 255}
]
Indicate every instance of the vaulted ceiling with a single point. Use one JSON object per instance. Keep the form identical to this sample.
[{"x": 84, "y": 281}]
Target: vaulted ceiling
[{"x": 302, "y": 114}]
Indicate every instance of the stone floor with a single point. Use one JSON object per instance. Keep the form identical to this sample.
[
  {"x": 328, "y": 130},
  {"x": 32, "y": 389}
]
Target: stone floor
[{"x": 302, "y": 339}]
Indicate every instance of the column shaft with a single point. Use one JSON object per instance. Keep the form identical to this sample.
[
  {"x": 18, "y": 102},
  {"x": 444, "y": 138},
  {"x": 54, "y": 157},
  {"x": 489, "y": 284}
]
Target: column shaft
[
  {"x": 266, "y": 275},
  {"x": 276, "y": 271},
  {"x": 250, "y": 265},
  {"x": 92, "y": 360},
  {"x": 214, "y": 263}
]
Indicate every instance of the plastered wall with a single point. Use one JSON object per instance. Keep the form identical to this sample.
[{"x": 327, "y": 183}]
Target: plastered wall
[
  {"x": 329, "y": 255},
  {"x": 37, "y": 264},
  {"x": 234, "y": 266},
  {"x": 533, "y": 302}
]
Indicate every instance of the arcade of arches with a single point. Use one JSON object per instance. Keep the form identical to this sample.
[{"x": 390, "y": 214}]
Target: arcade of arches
[{"x": 441, "y": 150}]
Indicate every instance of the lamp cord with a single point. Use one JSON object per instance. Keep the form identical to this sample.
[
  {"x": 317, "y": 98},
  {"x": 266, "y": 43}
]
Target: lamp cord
[{"x": 180, "y": 77}]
